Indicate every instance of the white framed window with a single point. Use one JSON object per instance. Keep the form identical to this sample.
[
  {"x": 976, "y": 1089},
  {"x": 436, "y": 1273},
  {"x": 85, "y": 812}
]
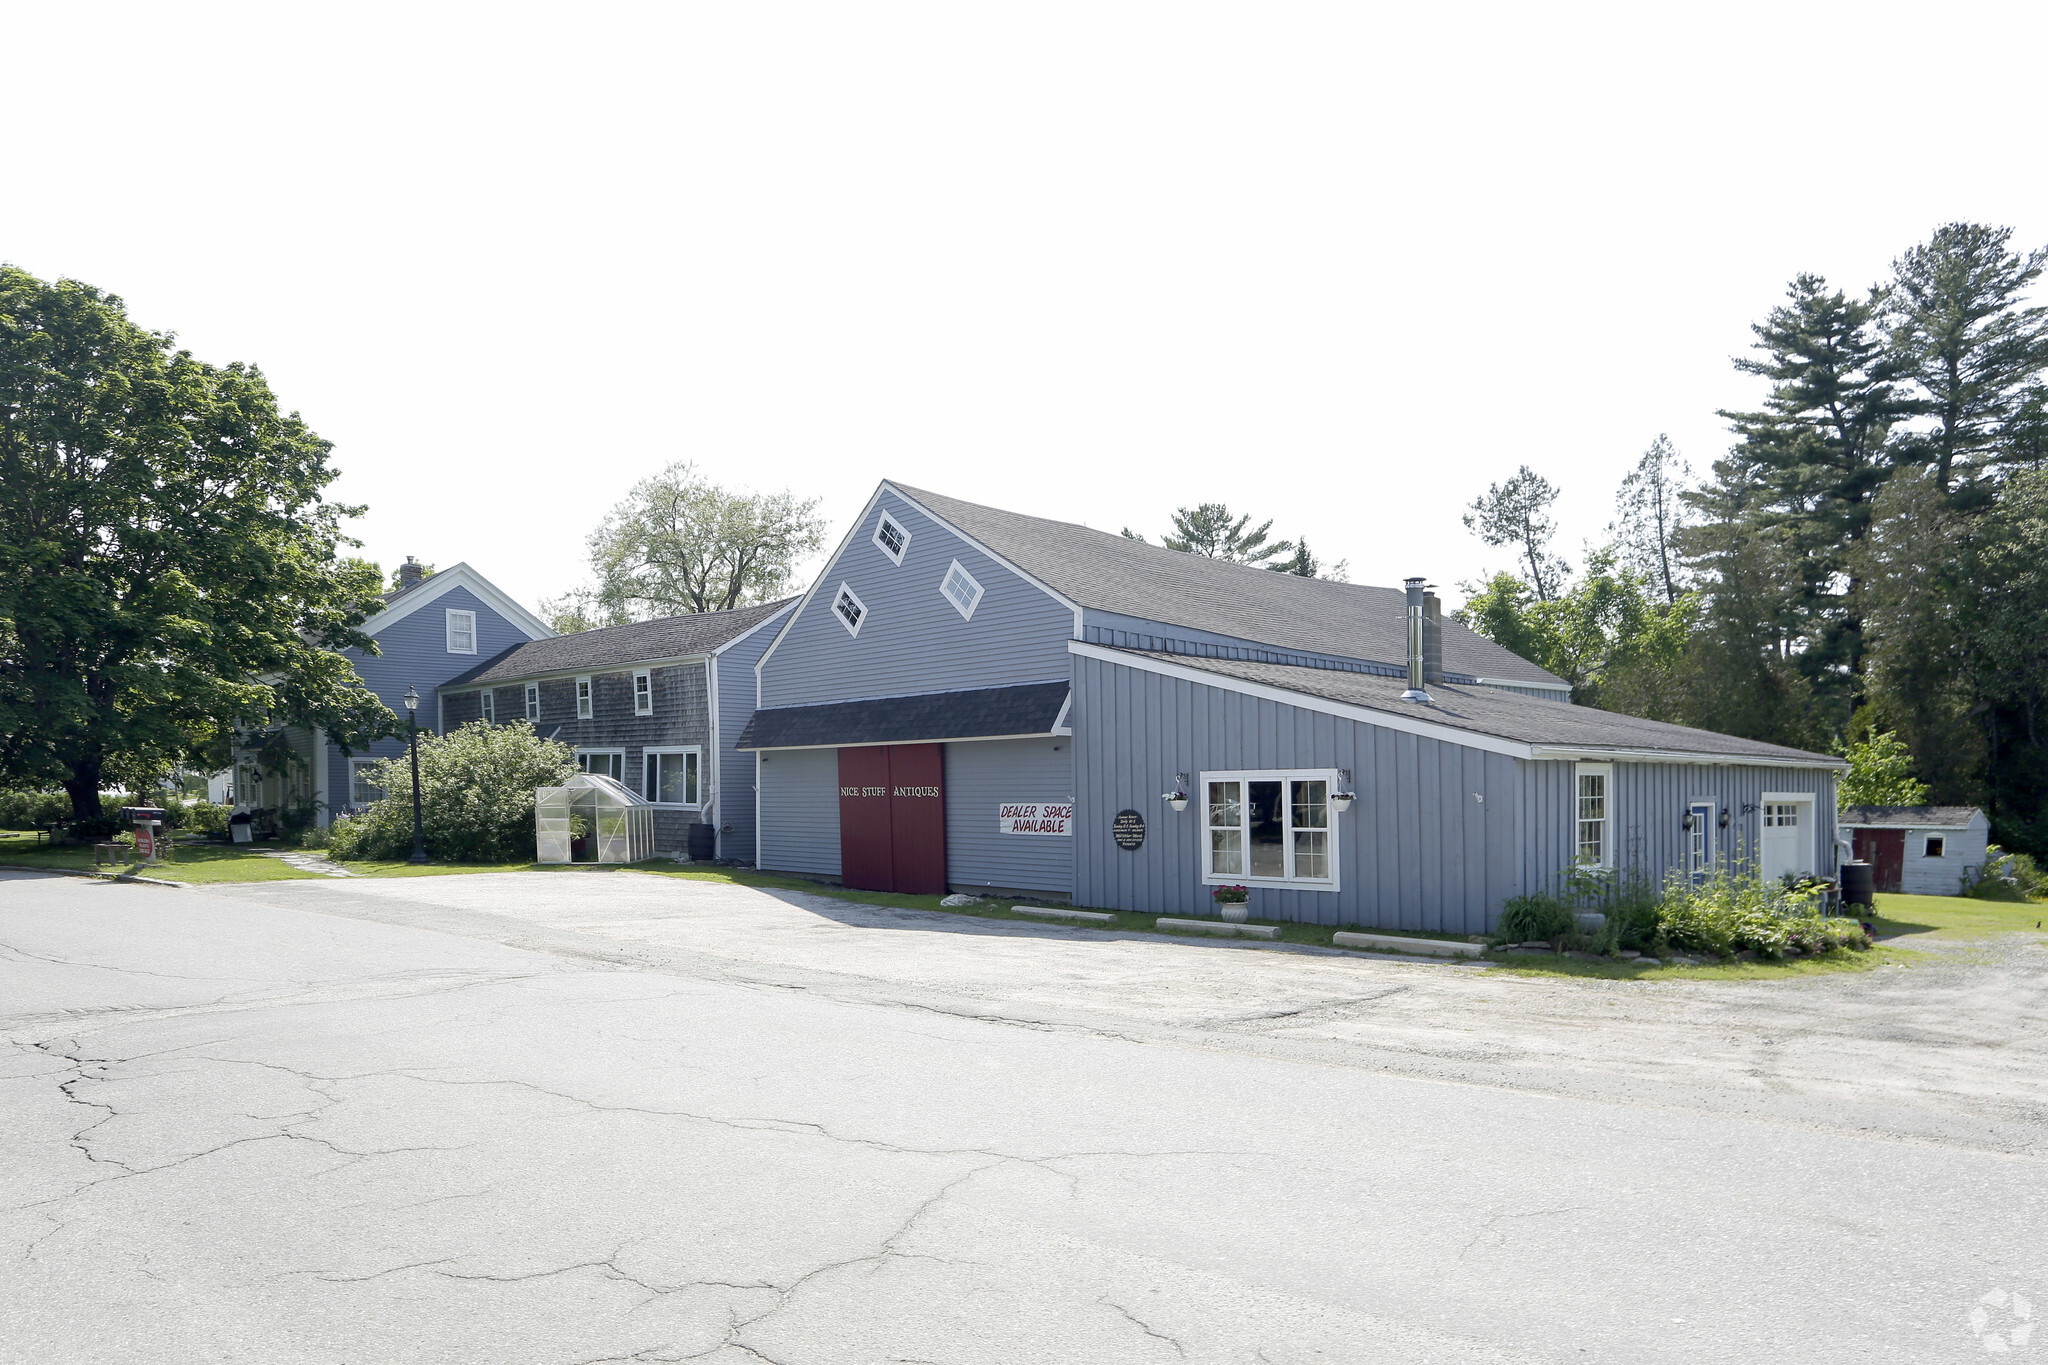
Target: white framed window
[
  {"x": 851, "y": 611},
  {"x": 487, "y": 706},
  {"x": 890, "y": 538},
  {"x": 1781, "y": 815},
  {"x": 461, "y": 632},
  {"x": 1593, "y": 803},
  {"x": 961, "y": 590},
  {"x": 1937, "y": 845},
  {"x": 361, "y": 791},
  {"x": 533, "y": 701},
  {"x": 643, "y": 692},
  {"x": 1272, "y": 828},
  {"x": 673, "y": 776},
  {"x": 583, "y": 707},
  {"x": 604, "y": 762},
  {"x": 1699, "y": 840}
]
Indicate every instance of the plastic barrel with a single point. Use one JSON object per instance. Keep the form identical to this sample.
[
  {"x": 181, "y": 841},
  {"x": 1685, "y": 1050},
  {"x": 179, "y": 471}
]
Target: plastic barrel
[
  {"x": 1859, "y": 885},
  {"x": 703, "y": 842}
]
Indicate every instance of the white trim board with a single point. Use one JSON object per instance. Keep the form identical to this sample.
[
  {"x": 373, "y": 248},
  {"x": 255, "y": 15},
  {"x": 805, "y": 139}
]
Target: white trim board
[
  {"x": 1517, "y": 682},
  {"x": 447, "y": 580}
]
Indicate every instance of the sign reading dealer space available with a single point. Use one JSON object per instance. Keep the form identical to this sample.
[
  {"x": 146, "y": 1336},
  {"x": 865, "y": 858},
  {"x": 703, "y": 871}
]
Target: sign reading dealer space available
[{"x": 1035, "y": 817}]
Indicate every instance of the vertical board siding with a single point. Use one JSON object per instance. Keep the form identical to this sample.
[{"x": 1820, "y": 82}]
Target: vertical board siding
[
  {"x": 1963, "y": 853},
  {"x": 1441, "y": 862},
  {"x": 736, "y": 770},
  {"x": 980, "y": 777},
  {"x": 799, "y": 811},
  {"x": 1649, "y": 805},
  {"x": 912, "y": 640}
]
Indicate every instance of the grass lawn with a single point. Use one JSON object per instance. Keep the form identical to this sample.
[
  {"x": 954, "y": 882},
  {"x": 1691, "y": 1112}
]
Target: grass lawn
[
  {"x": 196, "y": 863},
  {"x": 1955, "y": 917}
]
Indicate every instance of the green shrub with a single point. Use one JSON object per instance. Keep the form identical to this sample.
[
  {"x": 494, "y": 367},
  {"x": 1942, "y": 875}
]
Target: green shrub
[
  {"x": 1538, "y": 916},
  {"x": 207, "y": 817},
  {"x": 476, "y": 797},
  {"x": 313, "y": 836},
  {"x": 1731, "y": 912},
  {"x": 2007, "y": 877},
  {"x": 33, "y": 810}
]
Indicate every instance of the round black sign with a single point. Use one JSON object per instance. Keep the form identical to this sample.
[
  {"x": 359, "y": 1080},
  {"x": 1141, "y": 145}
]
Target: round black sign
[{"x": 1129, "y": 829}]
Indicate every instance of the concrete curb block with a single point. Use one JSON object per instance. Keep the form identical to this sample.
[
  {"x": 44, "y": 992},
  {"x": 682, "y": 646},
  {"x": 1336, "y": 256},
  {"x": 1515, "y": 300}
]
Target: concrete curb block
[
  {"x": 1384, "y": 943},
  {"x": 102, "y": 876},
  {"x": 1219, "y": 928},
  {"x": 1040, "y": 912}
]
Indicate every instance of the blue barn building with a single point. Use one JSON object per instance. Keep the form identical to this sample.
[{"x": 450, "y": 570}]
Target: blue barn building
[{"x": 972, "y": 699}]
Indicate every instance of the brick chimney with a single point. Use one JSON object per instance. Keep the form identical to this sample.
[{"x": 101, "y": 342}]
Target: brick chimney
[{"x": 408, "y": 574}]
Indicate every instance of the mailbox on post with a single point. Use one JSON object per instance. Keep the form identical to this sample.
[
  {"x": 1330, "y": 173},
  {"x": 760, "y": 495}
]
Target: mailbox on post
[{"x": 149, "y": 824}]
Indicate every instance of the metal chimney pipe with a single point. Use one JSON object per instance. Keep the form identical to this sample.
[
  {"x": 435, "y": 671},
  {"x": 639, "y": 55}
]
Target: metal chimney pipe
[{"x": 1415, "y": 690}]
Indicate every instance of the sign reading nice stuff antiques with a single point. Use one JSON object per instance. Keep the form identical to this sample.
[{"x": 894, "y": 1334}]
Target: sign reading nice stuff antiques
[
  {"x": 932, "y": 792},
  {"x": 1035, "y": 817}
]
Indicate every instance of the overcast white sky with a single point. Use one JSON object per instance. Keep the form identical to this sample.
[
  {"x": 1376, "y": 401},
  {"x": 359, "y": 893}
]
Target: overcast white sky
[{"x": 1340, "y": 265}]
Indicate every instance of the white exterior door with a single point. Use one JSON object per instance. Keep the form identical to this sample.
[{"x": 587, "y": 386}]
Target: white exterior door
[{"x": 1788, "y": 832}]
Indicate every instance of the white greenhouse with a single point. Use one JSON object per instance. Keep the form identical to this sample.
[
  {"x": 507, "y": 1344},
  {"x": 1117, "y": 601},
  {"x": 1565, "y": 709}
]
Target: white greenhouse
[{"x": 592, "y": 819}]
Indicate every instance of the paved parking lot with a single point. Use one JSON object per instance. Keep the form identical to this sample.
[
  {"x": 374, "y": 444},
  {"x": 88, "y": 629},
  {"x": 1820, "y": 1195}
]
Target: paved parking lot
[{"x": 571, "y": 1118}]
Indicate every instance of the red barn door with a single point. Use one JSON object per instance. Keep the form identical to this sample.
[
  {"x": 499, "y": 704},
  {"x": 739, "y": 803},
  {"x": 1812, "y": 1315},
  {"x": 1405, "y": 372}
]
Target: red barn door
[
  {"x": 866, "y": 858},
  {"x": 892, "y": 818},
  {"x": 917, "y": 818}
]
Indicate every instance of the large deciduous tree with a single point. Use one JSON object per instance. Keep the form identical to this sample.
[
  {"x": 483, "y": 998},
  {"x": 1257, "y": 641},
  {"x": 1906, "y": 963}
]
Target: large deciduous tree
[
  {"x": 680, "y": 544},
  {"x": 168, "y": 566}
]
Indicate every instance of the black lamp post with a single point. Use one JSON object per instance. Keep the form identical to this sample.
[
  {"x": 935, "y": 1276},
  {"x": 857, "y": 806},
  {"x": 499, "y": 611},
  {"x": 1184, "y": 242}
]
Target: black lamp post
[{"x": 412, "y": 728}]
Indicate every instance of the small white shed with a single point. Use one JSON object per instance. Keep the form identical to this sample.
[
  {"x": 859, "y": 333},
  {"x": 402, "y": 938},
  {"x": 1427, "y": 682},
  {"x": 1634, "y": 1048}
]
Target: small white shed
[
  {"x": 592, "y": 819},
  {"x": 1920, "y": 850}
]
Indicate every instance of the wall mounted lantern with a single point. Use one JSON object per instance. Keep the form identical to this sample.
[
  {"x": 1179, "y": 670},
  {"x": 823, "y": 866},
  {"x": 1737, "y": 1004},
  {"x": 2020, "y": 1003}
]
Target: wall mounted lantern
[
  {"x": 1687, "y": 823},
  {"x": 1724, "y": 817},
  {"x": 1341, "y": 799},
  {"x": 1178, "y": 797}
]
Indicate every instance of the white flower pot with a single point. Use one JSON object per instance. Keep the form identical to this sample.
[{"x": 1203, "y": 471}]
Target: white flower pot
[{"x": 1234, "y": 913}]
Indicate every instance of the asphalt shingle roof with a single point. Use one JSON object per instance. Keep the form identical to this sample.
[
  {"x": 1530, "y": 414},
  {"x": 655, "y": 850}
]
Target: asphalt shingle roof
[
  {"x": 1907, "y": 817},
  {"x": 1117, "y": 574},
  {"x": 1025, "y": 709},
  {"x": 1491, "y": 711},
  {"x": 667, "y": 637}
]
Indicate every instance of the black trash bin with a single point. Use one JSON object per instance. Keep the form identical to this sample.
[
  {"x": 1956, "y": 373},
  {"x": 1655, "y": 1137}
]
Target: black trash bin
[
  {"x": 1859, "y": 885},
  {"x": 703, "y": 842}
]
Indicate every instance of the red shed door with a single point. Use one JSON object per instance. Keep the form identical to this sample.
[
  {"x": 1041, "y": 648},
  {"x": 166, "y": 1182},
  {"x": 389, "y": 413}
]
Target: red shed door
[
  {"x": 917, "y": 818},
  {"x": 866, "y": 855},
  {"x": 1885, "y": 851}
]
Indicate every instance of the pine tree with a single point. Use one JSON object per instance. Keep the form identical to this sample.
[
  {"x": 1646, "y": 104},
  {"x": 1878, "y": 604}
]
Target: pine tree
[
  {"x": 1817, "y": 452},
  {"x": 1972, "y": 354},
  {"x": 1517, "y": 512},
  {"x": 1649, "y": 513}
]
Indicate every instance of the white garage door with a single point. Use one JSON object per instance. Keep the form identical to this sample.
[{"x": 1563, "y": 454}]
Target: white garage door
[{"x": 1787, "y": 845}]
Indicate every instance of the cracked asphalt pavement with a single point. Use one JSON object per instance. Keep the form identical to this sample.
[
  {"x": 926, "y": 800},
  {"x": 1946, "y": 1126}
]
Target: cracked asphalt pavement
[{"x": 545, "y": 1118}]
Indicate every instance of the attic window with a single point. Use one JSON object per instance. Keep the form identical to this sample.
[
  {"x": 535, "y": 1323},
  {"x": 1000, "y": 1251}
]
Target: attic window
[
  {"x": 461, "y": 632},
  {"x": 891, "y": 538},
  {"x": 850, "y": 610},
  {"x": 961, "y": 590}
]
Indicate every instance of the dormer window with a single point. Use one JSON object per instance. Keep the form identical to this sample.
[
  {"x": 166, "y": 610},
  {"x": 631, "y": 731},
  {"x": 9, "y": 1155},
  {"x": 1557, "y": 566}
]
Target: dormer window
[
  {"x": 461, "y": 632},
  {"x": 890, "y": 538},
  {"x": 961, "y": 590},
  {"x": 850, "y": 610}
]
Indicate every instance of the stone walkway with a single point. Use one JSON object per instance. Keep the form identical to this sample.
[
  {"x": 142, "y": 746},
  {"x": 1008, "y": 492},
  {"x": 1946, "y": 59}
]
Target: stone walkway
[{"x": 308, "y": 861}]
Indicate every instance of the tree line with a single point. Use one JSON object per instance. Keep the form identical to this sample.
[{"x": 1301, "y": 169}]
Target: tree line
[{"x": 1869, "y": 557}]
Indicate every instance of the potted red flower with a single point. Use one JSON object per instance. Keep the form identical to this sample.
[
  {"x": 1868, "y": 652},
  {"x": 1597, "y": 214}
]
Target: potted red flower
[{"x": 1230, "y": 902}]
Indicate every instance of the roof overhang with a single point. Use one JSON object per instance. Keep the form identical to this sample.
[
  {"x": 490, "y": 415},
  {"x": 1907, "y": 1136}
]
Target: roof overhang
[
  {"x": 1593, "y": 753},
  {"x": 1025, "y": 711}
]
